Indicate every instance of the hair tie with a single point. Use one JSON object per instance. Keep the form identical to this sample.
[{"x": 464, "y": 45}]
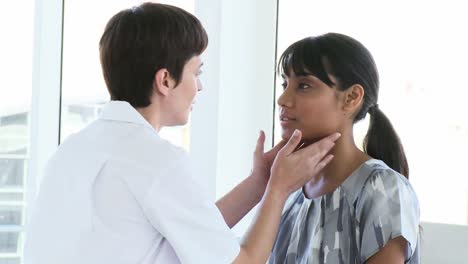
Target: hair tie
[{"x": 373, "y": 108}]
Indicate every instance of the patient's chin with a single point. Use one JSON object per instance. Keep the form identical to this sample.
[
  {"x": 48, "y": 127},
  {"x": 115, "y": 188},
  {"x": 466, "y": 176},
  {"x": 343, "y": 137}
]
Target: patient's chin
[{"x": 286, "y": 134}]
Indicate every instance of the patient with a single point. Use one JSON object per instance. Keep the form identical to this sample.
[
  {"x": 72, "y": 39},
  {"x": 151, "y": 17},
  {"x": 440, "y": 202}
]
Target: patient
[{"x": 363, "y": 208}]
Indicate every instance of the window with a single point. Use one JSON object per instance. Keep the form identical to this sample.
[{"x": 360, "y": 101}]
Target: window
[
  {"x": 15, "y": 103},
  {"x": 83, "y": 88},
  {"x": 421, "y": 61}
]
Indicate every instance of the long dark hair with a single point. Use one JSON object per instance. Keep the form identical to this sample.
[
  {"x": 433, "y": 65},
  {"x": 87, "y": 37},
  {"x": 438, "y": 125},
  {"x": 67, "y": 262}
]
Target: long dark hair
[{"x": 350, "y": 63}]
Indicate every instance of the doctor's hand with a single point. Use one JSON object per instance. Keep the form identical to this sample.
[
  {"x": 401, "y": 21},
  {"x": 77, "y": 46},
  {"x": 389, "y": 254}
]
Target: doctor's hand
[
  {"x": 292, "y": 169},
  {"x": 262, "y": 161}
]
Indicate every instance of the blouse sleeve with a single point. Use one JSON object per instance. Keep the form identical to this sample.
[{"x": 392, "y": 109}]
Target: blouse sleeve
[{"x": 386, "y": 208}]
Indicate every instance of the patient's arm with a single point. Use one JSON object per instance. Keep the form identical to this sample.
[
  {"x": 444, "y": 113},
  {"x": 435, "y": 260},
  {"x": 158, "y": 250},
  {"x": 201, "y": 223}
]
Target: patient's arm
[{"x": 392, "y": 253}]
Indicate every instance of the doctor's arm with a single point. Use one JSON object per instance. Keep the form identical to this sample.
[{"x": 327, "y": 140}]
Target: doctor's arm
[
  {"x": 240, "y": 200},
  {"x": 289, "y": 172}
]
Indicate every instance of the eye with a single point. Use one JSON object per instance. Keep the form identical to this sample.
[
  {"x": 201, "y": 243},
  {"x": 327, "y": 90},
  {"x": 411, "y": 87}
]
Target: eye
[
  {"x": 284, "y": 84},
  {"x": 303, "y": 86},
  {"x": 199, "y": 73}
]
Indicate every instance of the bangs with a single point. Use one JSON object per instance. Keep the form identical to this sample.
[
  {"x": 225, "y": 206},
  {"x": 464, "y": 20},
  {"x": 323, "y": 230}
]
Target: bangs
[{"x": 303, "y": 58}]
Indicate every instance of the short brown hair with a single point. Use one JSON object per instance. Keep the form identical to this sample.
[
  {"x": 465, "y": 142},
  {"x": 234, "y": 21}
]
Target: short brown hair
[{"x": 138, "y": 42}]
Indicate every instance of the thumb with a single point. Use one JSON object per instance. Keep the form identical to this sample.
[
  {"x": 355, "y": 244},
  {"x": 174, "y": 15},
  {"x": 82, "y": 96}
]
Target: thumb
[{"x": 292, "y": 143}]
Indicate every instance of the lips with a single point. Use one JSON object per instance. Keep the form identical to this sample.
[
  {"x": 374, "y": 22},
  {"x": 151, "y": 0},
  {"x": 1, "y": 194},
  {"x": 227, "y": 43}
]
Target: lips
[{"x": 286, "y": 119}]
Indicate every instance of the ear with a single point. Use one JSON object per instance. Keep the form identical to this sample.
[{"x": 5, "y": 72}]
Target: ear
[
  {"x": 353, "y": 98},
  {"x": 163, "y": 82}
]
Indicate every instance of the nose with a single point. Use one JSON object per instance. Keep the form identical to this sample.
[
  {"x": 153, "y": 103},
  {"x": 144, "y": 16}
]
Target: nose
[
  {"x": 285, "y": 99},
  {"x": 199, "y": 85}
]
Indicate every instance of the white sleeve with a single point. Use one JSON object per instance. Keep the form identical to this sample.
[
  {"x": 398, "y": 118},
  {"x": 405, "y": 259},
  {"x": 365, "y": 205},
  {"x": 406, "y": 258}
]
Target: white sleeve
[{"x": 179, "y": 209}]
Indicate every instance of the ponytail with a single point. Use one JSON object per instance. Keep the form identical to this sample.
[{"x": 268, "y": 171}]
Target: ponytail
[{"x": 382, "y": 142}]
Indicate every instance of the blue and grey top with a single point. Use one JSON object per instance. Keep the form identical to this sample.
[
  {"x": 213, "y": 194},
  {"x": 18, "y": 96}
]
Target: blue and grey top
[{"x": 352, "y": 223}]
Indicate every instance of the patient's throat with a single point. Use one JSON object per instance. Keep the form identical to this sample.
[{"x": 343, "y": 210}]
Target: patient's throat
[{"x": 320, "y": 187}]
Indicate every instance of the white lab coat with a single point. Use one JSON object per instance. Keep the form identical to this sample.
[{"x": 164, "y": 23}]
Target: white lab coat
[{"x": 117, "y": 193}]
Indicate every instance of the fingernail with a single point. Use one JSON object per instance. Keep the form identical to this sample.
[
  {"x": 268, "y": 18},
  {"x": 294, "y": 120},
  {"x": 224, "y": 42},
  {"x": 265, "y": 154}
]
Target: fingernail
[{"x": 296, "y": 133}]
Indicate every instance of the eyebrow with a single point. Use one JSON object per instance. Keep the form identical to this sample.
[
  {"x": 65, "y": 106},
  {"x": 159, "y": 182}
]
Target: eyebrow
[
  {"x": 306, "y": 76},
  {"x": 201, "y": 64},
  {"x": 309, "y": 78}
]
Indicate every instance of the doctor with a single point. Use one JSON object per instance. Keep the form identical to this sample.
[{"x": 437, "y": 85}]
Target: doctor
[{"x": 117, "y": 193}]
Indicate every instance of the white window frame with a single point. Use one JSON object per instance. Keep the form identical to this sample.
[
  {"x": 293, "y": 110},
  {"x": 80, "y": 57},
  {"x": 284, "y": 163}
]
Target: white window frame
[{"x": 46, "y": 91}]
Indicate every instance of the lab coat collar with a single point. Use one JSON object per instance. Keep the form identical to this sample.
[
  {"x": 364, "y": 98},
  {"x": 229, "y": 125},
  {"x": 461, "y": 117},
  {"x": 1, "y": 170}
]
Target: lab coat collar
[{"x": 122, "y": 111}]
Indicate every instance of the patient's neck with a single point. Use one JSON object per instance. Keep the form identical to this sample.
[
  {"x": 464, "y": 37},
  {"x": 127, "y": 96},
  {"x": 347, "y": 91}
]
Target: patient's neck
[{"x": 347, "y": 158}]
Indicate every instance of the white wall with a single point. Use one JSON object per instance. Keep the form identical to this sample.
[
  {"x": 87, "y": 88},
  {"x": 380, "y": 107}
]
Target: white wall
[
  {"x": 444, "y": 244},
  {"x": 205, "y": 117},
  {"x": 239, "y": 89}
]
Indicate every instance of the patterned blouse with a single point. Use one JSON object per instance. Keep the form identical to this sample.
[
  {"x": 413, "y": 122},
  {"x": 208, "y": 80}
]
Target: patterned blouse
[{"x": 352, "y": 223}]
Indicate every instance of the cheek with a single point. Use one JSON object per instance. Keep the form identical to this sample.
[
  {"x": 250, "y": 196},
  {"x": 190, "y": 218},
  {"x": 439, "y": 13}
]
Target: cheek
[
  {"x": 320, "y": 118},
  {"x": 193, "y": 88},
  {"x": 188, "y": 93},
  {"x": 316, "y": 109}
]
